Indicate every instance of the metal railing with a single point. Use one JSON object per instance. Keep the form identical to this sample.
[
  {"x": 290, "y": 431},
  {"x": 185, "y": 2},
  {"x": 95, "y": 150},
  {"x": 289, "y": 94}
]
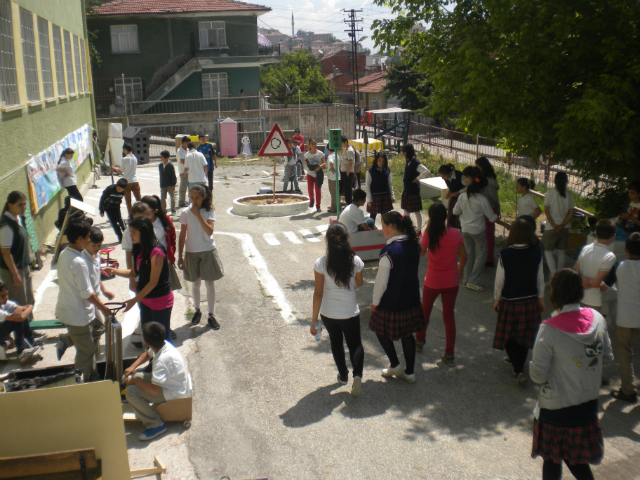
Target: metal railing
[
  {"x": 188, "y": 105},
  {"x": 240, "y": 50}
]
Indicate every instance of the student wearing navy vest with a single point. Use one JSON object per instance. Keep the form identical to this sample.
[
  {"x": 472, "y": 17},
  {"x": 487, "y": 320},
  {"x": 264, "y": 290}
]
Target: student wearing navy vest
[
  {"x": 456, "y": 185},
  {"x": 519, "y": 294},
  {"x": 413, "y": 172},
  {"x": 396, "y": 311},
  {"x": 379, "y": 187},
  {"x": 151, "y": 266}
]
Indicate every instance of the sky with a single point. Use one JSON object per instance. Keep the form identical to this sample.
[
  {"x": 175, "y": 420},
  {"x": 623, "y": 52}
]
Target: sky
[{"x": 322, "y": 17}]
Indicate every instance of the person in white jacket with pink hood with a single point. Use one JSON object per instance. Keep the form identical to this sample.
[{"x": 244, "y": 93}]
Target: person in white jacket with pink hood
[{"x": 568, "y": 356}]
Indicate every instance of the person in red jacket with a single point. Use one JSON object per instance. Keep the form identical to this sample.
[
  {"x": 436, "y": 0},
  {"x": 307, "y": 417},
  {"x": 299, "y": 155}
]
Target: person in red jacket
[{"x": 299, "y": 138}]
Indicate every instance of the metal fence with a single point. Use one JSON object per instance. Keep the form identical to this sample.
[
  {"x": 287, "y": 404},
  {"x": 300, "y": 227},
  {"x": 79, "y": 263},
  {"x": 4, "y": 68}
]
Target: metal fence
[{"x": 220, "y": 104}]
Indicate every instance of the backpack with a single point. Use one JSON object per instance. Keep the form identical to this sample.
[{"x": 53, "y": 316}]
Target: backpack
[{"x": 357, "y": 156}]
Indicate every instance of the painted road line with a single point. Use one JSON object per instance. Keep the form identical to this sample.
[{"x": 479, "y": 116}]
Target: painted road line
[
  {"x": 271, "y": 239},
  {"x": 322, "y": 228},
  {"x": 309, "y": 236},
  {"x": 292, "y": 237},
  {"x": 265, "y": 278},
  {"x": 42, "y": 289}
]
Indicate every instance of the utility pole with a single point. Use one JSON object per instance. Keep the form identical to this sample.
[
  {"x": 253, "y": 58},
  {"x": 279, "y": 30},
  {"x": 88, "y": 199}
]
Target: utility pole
[
  {"x": 292, "y": 34},
  {"x": 352, "y": 22}
]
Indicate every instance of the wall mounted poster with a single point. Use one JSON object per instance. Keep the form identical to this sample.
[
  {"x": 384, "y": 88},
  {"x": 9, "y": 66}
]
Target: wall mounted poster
[{"x": 44, "y": 183}]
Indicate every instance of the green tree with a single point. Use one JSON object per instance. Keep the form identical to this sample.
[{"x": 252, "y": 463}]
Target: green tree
[
  {"x": 92, "y": 36},
  {"x": 559, "y": 76},
  {"x": 409, "y": 83},
  {"x": 297, "y": 72}
]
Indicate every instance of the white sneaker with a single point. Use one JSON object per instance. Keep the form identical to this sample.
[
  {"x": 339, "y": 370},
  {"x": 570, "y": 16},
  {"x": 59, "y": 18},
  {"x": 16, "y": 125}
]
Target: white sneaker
[
  {"x": 409, "y": 378},
  {"x": 356, "y": 387},
  {"x": 393, "y": 372}
]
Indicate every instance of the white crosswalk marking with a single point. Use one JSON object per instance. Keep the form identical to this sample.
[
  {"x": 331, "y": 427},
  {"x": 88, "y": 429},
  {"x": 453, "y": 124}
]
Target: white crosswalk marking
[
  {"x": 292, "y": 237},
  {"x": 322, "y": 228},
  {"x": 308, "y": 235},
  {"x": 271, "y": 239}
]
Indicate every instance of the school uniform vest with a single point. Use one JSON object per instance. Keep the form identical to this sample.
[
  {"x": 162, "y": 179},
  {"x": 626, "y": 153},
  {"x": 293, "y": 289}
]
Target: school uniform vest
[
  {"x": 521, "y": 271},
  {"x": 20, "y": 245},
  {"x": 403, "y": 289},
  {"x": 379, "y": 180},
  {"x": 144, "y": 275},
  {"x": 454, "y": 184},
  {"x": 410, "y": 174}
]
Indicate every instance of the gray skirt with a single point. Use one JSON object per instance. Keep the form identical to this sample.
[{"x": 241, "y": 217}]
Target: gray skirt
[
  {"x": 173, "y": 278},
  {"x": 205, "y": 266}
]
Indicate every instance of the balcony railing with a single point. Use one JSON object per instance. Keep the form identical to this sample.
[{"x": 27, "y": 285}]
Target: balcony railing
[{"x": 239, "y": 50}]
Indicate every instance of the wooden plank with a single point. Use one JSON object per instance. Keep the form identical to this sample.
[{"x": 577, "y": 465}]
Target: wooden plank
[
  {"x": 46, "y": 463},
  {"x": 157, "y": 470}
]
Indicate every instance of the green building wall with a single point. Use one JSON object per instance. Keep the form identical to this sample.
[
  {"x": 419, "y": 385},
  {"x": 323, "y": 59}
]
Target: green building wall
[
  {"x": 247, "y": 79},
  {"x": 156, "y": 49},
  {"x": 31, "y": 130}
]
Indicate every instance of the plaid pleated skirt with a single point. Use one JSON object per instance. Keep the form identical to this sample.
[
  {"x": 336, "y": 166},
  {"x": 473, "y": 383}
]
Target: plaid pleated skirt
[
  {"x": 411, "y": 203},
  {"x": 574, "y": 445},
  {"x": 381, "y": 203},
  {"x": 519, "y": 320},
  {"x": 453, "y": 221},
  {"x": 396, "y": 325}
]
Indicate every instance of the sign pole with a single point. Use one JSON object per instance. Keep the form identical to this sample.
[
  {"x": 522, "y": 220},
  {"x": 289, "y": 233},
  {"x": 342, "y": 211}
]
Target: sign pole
[
  {"x": 335, "y": 161},
  {"x": 275, "y": 146},
  {"x": 275, "y": 159}
]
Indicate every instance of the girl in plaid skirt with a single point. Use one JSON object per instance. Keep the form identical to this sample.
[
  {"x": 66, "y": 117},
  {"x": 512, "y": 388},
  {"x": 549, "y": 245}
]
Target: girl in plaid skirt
[
  {"x": 379, "y": 186},
  {"x": 519, "y": 294},
  {"x": 413, "y": 172},
  {"x": 568, "y": 357},
  {"x": 396, "y": 312}
]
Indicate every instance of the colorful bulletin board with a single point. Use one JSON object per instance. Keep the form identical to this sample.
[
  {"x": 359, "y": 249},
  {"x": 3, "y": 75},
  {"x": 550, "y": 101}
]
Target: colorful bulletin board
[{"x": 44, "y": 183}]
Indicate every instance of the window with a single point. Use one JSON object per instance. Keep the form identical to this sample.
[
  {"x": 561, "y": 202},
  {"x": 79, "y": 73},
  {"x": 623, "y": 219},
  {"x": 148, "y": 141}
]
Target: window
[
  {"x": 76, "y": 56},
  {"x": 68, "y": 60},
  {"x": 212, "y": 35},
  {"x": 375, "y": 103},
  {"x": 45, "y": 57},
  {"x": 8, "y": 78},
  {"x": 83, "y": 59},
  {"x": 360, "y": 96},
  {"x": 29, "y": 55},
  {"x": 132, "y": 87},
  {"x": 212, "y": 83},
  {"x": 124, "y": 38},
  {"x": 58, "y": 60}
]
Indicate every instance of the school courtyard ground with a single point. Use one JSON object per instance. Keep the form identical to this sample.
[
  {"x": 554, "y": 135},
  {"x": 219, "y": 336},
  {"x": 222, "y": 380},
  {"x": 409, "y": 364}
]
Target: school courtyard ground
[{"x": 267, "y": 403}]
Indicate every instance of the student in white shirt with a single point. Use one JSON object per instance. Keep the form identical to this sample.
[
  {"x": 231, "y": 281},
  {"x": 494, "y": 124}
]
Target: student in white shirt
[
  {"x": 128, "y": 171},
  {"x": 527, "y": 205},
  {"x": 558, "y": 207},
  {"x": 290, "y": 168},
  {"x": 347, "y": 165},
  {"x": 473, "y": 208},
  {"x": 181, "y": 155},
  {"x": 332, "y": 161},
  {"x": 195, "y": 166},
  {"x": 353, "y": 218},
  {"x": 77, "y": 301},
  {"x": 168, "y": 380},
  {"x": 337, "y": 275},
  {"x": 67, "y": 174},
  {"x": 201, "y": 261},
  {"x": 595, "y": 261}
]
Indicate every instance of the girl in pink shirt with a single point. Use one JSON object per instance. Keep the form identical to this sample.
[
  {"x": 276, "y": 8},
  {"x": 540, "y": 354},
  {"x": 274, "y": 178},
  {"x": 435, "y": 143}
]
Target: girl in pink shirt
[{"x": 444, "y": 245}]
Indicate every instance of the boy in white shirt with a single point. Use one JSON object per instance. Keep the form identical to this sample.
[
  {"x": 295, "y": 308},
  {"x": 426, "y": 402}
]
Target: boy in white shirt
[
  {"x": 77, "y": 301},
  {"x": 290, "y": 167},
  {"x": 331, "y": 177},
  {"x": 128, "y": 171},
  {"x": 12, "y": 319},
  {"x": 626, "y": 275},
  {"x": 195, "y": 166},
  {"x": 353, "y": 218},
  {"x": 594, "y": 263},
  {"x": 168, "y": 380},
  {"x": 181, "y": 155}
]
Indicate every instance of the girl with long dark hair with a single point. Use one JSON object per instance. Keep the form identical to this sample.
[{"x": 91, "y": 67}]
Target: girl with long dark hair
[
  {"x": 396, "y": 312},
  {"x": 337, "y": 275},
  {"x": 444, "y": 246},
  {"x": 527, "y": 205},
  {"x": 413, "y": 172},
  {"x": 150, "y": 266},
  {"x": 456, "y": 185},
  {"x": 67, "y": 174},
  {"x": 519, "y": 294},
  {"x": 568, "y": 355},
  {"x": 379, "y": 186},
  {"x": 473, "y": 207},
  {"x": 201, "y": 261},
  {"x": 491, "y": 192},
  {"x": 558, "y": 207}
]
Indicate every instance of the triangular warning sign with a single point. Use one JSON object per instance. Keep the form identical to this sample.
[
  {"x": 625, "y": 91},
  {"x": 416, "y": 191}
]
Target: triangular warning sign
[{"x": 275, "y": 145}]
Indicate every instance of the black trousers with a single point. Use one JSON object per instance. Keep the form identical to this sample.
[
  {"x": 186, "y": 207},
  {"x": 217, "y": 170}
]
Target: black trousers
[
  {"x": 517, "y": 354},
  {"x": 350, "y": 330},
  {"x": 408, "y": 348},
  {"x": 74, "y": 192},
  {"x": 347, "y": 189},
  {"x": 115, "y": 217},
  {"x": 210, "y": 179}
]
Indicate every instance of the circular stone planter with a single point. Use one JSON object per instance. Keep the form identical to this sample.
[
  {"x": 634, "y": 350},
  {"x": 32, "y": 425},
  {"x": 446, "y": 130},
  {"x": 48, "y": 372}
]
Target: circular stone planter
[{"x": 270, "y": 210}]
